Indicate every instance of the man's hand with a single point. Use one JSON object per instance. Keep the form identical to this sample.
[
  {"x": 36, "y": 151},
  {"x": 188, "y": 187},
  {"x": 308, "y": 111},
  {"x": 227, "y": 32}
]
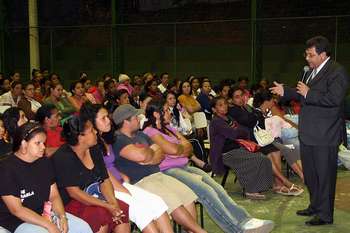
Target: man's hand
[
  {"x": 277, "y": 89},
  {"x": 302, "y": 89}
]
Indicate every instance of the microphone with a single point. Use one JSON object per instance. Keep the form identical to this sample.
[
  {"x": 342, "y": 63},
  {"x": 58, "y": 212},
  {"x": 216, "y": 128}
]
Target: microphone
[{"x": 306, "y": 69}]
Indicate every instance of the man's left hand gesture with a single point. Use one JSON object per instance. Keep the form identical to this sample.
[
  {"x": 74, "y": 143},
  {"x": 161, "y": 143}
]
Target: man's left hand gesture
[{"x": 302, "y": 89}]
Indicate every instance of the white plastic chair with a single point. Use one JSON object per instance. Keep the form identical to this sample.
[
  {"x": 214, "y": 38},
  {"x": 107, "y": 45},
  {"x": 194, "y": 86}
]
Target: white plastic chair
[{"x": 200, "y": 121}]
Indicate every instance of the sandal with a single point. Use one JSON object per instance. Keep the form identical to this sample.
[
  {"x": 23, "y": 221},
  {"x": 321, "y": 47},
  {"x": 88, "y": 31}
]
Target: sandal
[
  {"x": 292, "y": 191},
  {"x": 295, "y": 190},
  {"x": 255, "y": 196}
]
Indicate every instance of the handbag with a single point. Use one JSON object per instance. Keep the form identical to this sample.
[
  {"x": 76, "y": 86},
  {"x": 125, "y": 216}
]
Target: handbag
[
  {"x": 248, "y": 145},
  {"x": 262, "y": 136}
]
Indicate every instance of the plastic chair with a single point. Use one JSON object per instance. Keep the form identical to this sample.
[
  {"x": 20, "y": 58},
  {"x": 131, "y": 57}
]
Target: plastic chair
[{"x": 200, "y": 121}]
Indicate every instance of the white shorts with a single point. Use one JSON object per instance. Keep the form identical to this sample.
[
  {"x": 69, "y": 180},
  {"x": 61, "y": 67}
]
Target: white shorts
[{"x": 144, "y": 207}]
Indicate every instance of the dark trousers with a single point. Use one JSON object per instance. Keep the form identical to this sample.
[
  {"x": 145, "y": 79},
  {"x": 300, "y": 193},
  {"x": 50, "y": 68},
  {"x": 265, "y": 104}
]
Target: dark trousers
[{"x": 320, "y": 173}]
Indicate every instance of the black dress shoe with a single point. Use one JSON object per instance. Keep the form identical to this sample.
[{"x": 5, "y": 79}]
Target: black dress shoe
[
  {"x": 305, "y": 212},
  {"x": 316, "y": 221}
]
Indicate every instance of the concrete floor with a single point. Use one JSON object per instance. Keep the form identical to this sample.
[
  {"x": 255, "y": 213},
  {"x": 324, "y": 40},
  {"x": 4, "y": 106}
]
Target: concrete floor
[{"x": 281, "y": 209}]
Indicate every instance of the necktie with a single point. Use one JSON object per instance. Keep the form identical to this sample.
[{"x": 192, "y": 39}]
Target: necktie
[{"x": 312, "y": 75}]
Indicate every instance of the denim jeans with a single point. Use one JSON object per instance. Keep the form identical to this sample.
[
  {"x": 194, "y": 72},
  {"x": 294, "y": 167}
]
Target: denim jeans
[
  {"x": 75, "y": 225},
  {"x": 219, "y": 205}
]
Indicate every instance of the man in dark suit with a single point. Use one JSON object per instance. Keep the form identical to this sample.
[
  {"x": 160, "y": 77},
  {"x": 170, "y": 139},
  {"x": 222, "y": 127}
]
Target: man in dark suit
[{"x": 321, "y": 123}]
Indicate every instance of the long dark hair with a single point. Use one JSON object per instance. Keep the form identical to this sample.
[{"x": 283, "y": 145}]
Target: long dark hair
[
  {"x": 52, "y": 86},
  {"x": 148, "y": 85},
  {"x": 260, "y": 97},
  {"x": 72, "y": 128},
  {"x": 26, "y": 132},
  {"x": 10, "y": 118},
  {"x": 88, "y": 112},
  {"x": 156, "y": 106},
  {"x": 181, "y": 85}
]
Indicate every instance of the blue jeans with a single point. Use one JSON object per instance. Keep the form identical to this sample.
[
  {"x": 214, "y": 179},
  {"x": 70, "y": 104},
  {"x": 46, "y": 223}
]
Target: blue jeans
[
  {"x": 219, "y": 205},
  {"x": 75, "y": 225}
]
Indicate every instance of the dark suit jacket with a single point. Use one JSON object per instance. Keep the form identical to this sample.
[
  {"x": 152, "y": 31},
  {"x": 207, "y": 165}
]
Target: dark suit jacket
[{"x": 321, "y": 119}]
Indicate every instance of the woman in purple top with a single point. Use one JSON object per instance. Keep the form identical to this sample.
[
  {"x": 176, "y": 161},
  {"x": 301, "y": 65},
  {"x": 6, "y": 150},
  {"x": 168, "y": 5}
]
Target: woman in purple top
[
  {"x": 146, "y": 210},
  {"x": 253, "y": 170},
  {"x": 223, "y": 210}
]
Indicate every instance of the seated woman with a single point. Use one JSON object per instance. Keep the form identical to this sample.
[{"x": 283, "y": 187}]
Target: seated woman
[
  {"x": 178, "y": 116},
  {"x": 195, "y": 86},
  {"x": 151, "y": 88},
  {"x": 146, "y": 210},
  {"x": 49, "y": 117},
  {"x": 248, "y": 119},
  {"x": 223, "y": 210},
  {"x": 60, "y": 99},
  {"x": 187, "y": 101},
  {"x": 98, "y": 91},
  {"x": 117, "y": 98},
  {"x": 289, "y": 134},
  {"x": 28, "y": 103},
  {"x": 13, "y": 118},
  {"x": 262, "y": 103},
  {"x": 79, "y": 97},
  {"x": 137, "y": 156},
  {"x": 28, "y": 183},
  {"x": 79, "y": 170},
  {"x": 205, "y": 97},
  {"x": 5, "y": 145},
  {"x": 253, "y": 170},
  {"x": 224, "y": 91}
]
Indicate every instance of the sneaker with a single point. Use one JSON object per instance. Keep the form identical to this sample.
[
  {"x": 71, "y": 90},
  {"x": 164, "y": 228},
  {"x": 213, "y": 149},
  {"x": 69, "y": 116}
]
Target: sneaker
[{"x": 255, "y": 225}]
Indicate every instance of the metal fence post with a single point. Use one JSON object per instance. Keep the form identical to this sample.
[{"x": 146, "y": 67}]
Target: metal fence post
[
  {"x": 336, "y": 38},
  {"x": 2, "y": 36}
]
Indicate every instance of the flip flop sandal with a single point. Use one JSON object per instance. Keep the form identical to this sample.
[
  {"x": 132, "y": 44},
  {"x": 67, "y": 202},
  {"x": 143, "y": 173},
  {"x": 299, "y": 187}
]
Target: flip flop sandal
[
  {"x": 255, "y": 196},
  {"x": 297, "y": 191},
  {"x": 283, "y": 190}
]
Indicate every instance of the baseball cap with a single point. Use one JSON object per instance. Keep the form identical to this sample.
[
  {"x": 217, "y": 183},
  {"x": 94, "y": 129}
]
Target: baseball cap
[{"x": 124, "y": 112}]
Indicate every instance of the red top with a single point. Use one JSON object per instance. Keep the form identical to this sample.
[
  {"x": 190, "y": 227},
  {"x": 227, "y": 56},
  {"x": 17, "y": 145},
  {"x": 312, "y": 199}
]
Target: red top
[{"x": 54, "y": 138}]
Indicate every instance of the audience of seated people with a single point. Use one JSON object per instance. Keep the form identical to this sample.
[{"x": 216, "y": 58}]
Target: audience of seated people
[
  {"x": 83, "y": 180},
  {"x": 222, "y": 209},
  {"x": 29, "y": 193},
  {"x": 109, "y": 173},
  {"x": 146, "y": 210},
  {"x": 263, "y": 104},
  {"x": 138, "y": 157},
  {"x": 248, "y": 117},
  {"x": 253, "y": 169}
]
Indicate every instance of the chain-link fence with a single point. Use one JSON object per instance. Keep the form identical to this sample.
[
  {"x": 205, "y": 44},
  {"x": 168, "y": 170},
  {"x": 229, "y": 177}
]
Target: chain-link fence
[{"x": 216, "y": 49}]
